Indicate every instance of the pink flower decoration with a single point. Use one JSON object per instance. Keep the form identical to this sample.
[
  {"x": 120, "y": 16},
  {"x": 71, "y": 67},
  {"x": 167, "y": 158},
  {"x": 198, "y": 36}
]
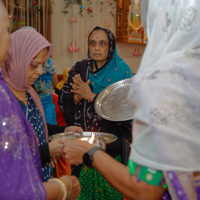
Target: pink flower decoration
[
  {"x": 95, "y": 74},
  {"x": 116, "y": 69},
  {"x": 73, "y": 47},
  {"x": 88, "y": 33},
  {"x": 136, "y": 52},
  {"x": 93, "y": 83},
  {"x": 109, "y": 80},
  {"x": 127, "y": 72},
  {"x": 107, "y": 24},
  {"x": 73, "y": 19}
]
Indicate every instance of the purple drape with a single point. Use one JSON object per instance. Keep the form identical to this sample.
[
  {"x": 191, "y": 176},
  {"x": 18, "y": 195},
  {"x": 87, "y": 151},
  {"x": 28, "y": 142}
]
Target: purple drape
[{"x": 20, "y": 165}]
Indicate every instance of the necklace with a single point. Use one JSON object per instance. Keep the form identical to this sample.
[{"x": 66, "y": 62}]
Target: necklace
[
  {"x": 135, "y": 28},
  {"x": 24, "y": 99},
  {"x": 27, "y": 99},
  {"x": 22, "y": 96}
]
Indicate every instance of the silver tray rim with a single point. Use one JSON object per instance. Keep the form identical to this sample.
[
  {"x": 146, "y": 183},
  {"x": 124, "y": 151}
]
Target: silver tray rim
[
  {"x": 102, "y": 95},
  {"x": 77, "y": 135}
]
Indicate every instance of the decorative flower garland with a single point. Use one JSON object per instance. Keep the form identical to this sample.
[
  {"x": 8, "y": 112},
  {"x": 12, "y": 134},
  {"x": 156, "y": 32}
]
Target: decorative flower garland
[
  {"x": 51, "y": 6},
  {"x": 114, "y": 15},
  {"x": 89, "y": 9},
  {"x": 68, "y": 2},
  {"x": 36, "y": 6}
]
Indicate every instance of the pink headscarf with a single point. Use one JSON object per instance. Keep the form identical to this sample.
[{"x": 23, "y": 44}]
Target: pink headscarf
[{"x": 25, "y": 45}]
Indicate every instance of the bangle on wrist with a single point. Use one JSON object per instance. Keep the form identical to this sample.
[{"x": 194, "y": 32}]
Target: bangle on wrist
[
  {"x": 63, "y": 194},
  {"x": 75, "y": 99}
]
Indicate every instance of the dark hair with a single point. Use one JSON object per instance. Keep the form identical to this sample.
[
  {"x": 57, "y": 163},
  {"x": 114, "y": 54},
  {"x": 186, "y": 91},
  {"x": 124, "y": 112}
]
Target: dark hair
[{"x": 97, "y": 28}]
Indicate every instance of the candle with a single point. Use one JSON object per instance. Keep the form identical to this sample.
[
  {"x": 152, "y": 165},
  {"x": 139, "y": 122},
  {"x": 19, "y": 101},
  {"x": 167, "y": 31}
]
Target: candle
[{"x": 92, "y": 140}]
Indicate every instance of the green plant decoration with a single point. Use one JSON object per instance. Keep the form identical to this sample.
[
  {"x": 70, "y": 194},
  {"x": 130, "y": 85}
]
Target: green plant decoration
[
  {"x": 113, "y": 12},
  {"x": 68, "y": 2},
  {"x": 101, "y": 2},
  {"x": 51, "y": 6},
  {"x": 36, "y": 6},
  {"x": 89, "y": 9}
]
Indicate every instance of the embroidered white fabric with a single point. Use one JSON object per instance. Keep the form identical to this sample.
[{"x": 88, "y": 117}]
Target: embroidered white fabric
[{"x": 166, "y": 89}]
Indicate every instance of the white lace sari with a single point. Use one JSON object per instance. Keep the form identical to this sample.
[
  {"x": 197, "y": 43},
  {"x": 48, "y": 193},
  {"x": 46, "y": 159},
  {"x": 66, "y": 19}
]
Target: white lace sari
[{"x": 166, "y": 93}]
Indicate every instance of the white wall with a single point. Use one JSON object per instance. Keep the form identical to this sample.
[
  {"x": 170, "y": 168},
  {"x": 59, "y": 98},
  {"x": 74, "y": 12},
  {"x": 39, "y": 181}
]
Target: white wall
[
  {"x": 125, "y": 51},
  {"x": 64, "y": 32}
]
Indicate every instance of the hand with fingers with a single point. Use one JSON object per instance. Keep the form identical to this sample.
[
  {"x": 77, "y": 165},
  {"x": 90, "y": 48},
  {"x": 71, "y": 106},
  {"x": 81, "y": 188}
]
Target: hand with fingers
[
  {"x": 73, "y": 129},
  {"x": 55, "y": 148},
  {"x": 73, "y": 186},
  {"x": 74, "y": 150},
  {"x": 82, "y": 89},
  {"x": 75, "y": 86}
]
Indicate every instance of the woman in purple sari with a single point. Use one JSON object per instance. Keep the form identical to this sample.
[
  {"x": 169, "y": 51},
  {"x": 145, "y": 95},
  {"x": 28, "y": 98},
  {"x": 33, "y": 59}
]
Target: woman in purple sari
[
  {"x": 20, "y": 165},
  {"x": 164, "y": 160}
]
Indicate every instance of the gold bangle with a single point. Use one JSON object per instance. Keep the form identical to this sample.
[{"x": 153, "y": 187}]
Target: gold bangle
[{"x": 63, "y": 194}]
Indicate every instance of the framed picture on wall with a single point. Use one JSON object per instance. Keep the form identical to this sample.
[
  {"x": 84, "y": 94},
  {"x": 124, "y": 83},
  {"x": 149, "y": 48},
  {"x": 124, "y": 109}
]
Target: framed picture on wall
[{"x": 136, "y": 33}]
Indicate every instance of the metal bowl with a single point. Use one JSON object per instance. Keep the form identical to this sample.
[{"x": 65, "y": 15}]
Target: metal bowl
[{"x": 106, "y": 138}]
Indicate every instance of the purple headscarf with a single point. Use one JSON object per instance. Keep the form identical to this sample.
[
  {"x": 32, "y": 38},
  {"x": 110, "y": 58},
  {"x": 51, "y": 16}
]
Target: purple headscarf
[{"x": 20, "y": 165}]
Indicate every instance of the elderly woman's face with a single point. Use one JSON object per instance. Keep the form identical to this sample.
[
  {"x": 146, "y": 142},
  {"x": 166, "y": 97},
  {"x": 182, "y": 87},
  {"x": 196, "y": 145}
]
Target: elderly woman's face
[
  {"x": 35, "y": 68},
  {"x": 98, "y": 45}
]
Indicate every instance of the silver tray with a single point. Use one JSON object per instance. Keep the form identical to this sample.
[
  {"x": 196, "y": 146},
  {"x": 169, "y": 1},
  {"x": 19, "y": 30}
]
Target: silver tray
[
  {"x": 112, "y": 103},
  {"x": 107, "y": 138}
]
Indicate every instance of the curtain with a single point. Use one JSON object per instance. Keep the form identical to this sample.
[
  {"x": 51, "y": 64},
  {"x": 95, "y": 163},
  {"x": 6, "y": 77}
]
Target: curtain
[
  {"x": 22, "y": 13},
  {"x": 70, "y": 31}
]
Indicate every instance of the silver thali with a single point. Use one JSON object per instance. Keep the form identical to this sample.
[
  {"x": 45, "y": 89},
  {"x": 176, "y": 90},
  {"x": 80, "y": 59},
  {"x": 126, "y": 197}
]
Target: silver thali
[
  {"x": 112, "y": 103},
  {"x": 107, "y": 138}
]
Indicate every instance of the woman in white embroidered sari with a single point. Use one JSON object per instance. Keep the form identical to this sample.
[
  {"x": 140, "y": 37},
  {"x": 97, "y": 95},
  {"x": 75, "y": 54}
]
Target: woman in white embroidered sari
[{"x": 166, "y": 94}]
